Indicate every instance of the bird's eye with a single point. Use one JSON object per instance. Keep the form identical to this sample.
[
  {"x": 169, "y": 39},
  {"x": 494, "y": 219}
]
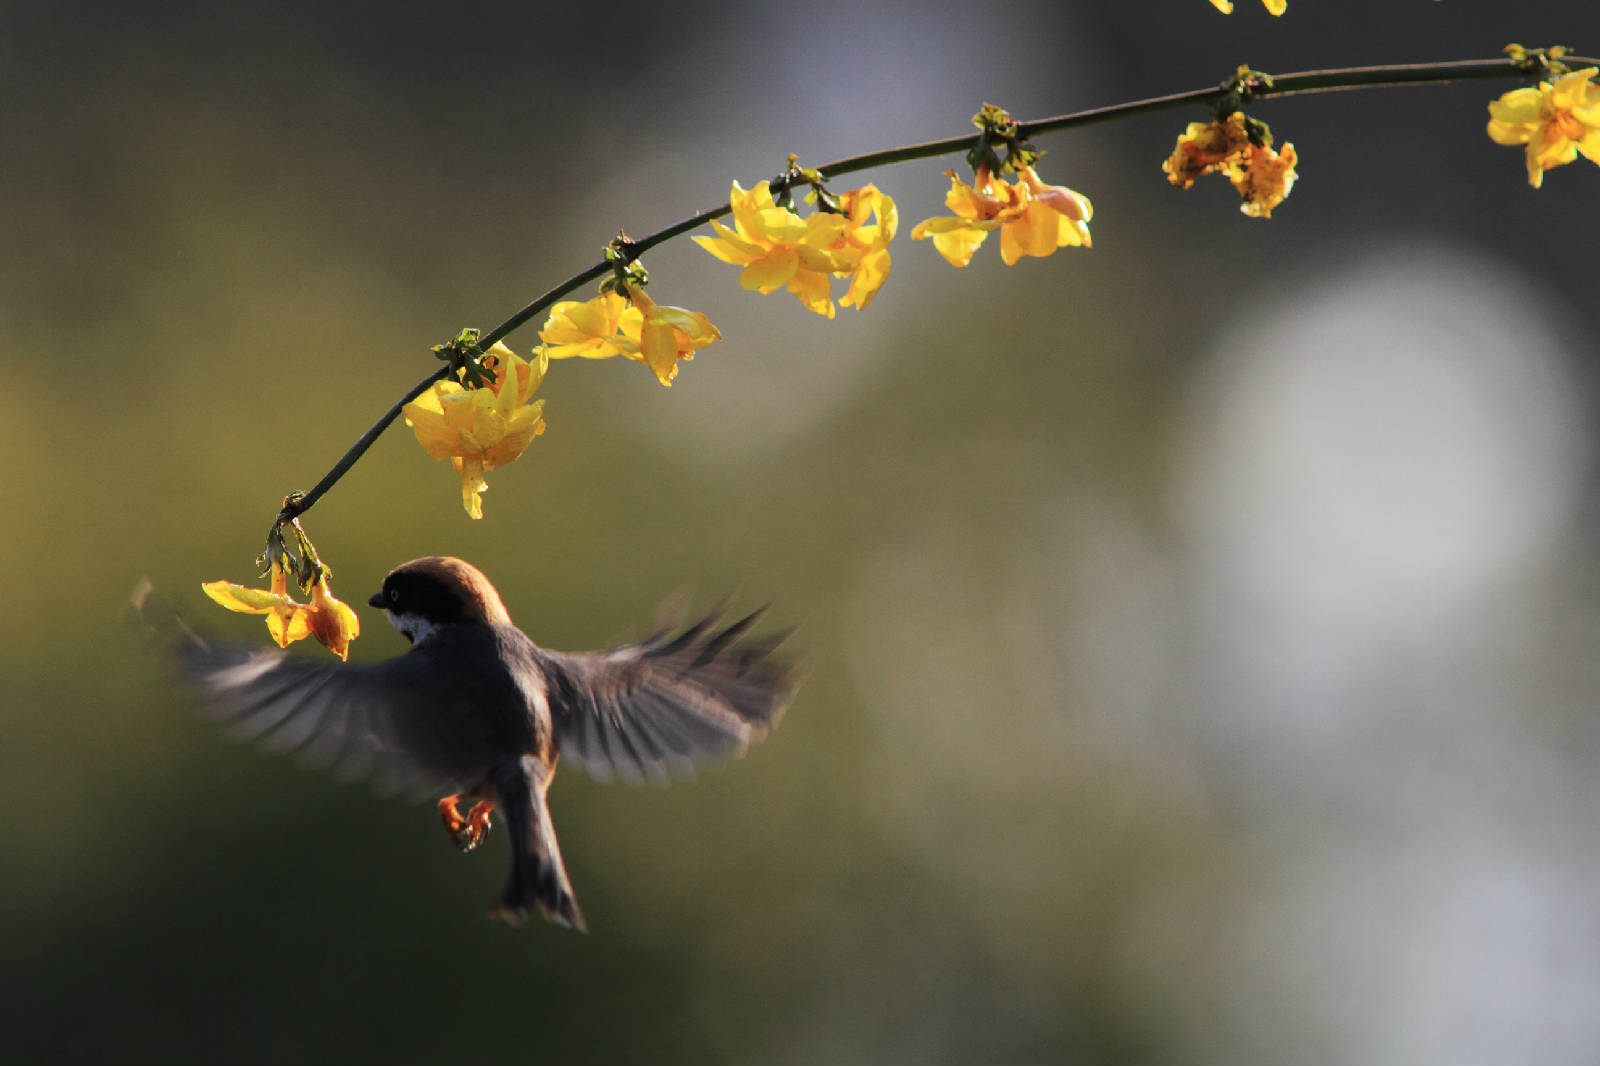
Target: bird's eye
[{"x": 394, "y": 595}]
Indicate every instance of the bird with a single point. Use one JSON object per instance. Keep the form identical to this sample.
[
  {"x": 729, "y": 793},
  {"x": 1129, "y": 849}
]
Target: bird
[{"x": 475, "y": 711}]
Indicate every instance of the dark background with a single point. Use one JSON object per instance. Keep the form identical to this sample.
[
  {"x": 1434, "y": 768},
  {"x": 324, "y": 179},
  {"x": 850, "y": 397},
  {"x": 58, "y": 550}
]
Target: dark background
[{"x": 1201, "y": 626}]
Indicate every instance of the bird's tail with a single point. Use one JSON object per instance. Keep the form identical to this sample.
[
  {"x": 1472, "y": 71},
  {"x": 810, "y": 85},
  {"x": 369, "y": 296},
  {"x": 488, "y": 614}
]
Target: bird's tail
[{"x": 538, "y": 876}]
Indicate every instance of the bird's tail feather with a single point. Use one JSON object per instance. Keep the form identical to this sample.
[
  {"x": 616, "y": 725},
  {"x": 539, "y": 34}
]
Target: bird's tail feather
[{"x": 538, "y": 876}]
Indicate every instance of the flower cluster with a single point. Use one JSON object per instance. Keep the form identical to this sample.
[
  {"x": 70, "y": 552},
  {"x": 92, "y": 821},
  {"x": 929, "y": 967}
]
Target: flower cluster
[
  {"x": 1033, "y": 218},
  {"x": 1557, "y": 121},
  {"x": 479, "y": 429},
  {"x": 779, "y": 249},
  {"x": 634, "y": 327},
  {"x": 329, "y": 620},
  {"x": 1240, "y": 148}
]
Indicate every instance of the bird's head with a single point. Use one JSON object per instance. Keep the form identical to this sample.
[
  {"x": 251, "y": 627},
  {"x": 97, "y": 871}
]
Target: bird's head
[{"x": 425, "y": 594}]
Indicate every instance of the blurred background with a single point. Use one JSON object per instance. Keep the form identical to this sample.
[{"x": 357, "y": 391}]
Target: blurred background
[{"x": 1202, "y": 627}]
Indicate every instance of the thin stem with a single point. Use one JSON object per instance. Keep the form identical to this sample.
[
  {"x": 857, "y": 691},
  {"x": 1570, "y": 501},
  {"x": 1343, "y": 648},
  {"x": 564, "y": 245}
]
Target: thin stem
[
  {"x": 1300, "y": 83},
  {"x": 299, "y": 505}
]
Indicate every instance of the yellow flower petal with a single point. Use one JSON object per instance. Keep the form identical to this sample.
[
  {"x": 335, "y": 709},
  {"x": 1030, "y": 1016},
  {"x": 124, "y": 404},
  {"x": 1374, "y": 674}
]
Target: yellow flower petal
[
  {"x": 728, "y": 246},
  {"x": 772, "y": 271},
  {"x": 658, "y": 345},
  {"x": 289, "y": 625},
  {"x": 954, "y": 238},
  {"x": 1034, "y": 233},
  {"x": 472, "y": 485},
  {"x": 812, "y": 289},
  {"x": 872, "y": 272},
  {"x": 241, "y": 599}
]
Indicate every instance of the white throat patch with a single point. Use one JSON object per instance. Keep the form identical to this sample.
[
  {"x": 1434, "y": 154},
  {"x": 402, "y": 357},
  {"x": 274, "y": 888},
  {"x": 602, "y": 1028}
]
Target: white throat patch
[{"x": 415, "y": 628}]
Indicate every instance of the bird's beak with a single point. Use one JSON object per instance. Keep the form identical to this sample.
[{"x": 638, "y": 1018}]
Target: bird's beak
[{"x": 376, "y": 600}]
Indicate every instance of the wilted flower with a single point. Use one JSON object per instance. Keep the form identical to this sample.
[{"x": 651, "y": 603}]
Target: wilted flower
[{"x": 1241, "y": 150}]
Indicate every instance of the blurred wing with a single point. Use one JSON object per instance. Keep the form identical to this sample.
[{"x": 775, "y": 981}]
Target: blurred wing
[
  {"x": 667, "y": 706},
  {"x": 393, "y": 722}
]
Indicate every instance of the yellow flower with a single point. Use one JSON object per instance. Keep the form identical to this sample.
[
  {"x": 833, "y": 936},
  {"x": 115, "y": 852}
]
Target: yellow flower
[
  {"x": 1556, "y": 122},
  {"x": 1275, "y": 6},
  {"x": 1033, "y": 218},
  {"x": 644, "y": 331},
  {"x": 331, "y": 621},
  {"x": 1055, "y": 217},
  {"x": 867, "y": 243},
  {"x": 658, "y": 336},
  {"x": 778, "y": 249},
  {"x": 481, "y": 429},
  {"x": 1262, "y": 176}
]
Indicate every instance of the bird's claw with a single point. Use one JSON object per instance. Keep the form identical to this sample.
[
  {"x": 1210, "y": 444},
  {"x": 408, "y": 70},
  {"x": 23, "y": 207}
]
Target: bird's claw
[{"x": 466, "y": 832}]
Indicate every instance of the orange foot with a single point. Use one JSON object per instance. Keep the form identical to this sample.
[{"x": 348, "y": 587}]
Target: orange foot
[{"x": 465, "y": 832}]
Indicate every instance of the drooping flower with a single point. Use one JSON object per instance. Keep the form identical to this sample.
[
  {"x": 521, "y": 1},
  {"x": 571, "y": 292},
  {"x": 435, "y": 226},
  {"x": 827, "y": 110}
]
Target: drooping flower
[
  {"x": 777, "y": 248},
  {"x": 481, "y": 429},
  {"x": 635, "y": 327},
  {"x": 1206, "y": 148},
  {"x": 1033, "y": 218},
  {"x": 1556, "y": 121},
  {"x": 331, "y": 621},
  {"x": 1277, "y": 7},
  {"x": 1262, "y": 175},
  {"x": 1055, "y": 217},
  {"x": 659, "y": 335}
]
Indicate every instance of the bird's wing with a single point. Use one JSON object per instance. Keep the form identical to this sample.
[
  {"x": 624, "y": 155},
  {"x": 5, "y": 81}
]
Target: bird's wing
[
  {"x": 397, "y": 722},
  {"x": 669, "y": 705}
]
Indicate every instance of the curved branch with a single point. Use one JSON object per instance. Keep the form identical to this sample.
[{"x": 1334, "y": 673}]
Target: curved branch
[{"x": 1300, "y": 83}]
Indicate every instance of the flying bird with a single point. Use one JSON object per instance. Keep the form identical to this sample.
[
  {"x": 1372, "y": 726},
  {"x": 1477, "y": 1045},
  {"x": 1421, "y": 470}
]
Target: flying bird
[{"x": 474, "y": 710}]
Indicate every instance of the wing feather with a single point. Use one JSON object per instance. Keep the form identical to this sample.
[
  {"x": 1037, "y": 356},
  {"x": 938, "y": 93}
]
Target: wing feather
[
  {"x": 618, "y": 752},
  {"x": 398, "y": 722},
  {"x": 671, "y": 704}
]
